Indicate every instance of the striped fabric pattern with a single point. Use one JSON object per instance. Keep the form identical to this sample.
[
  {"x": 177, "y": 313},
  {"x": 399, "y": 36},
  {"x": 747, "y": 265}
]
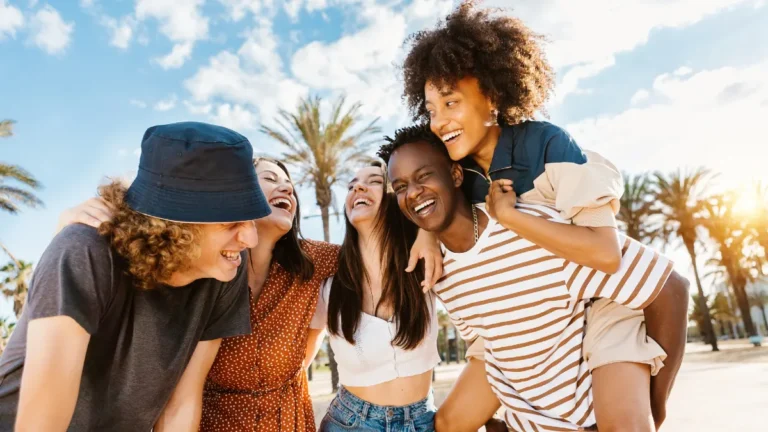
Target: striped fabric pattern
[{"x": 529, "y": 307}]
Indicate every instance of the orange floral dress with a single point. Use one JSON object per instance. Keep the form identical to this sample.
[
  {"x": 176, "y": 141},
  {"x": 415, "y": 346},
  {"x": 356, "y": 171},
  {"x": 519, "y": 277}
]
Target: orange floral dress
[{"x": 257, "y": 382}]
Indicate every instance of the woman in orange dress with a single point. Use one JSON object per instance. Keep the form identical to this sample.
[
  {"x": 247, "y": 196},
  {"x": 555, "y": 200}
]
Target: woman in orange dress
[{"x": 257, "y": 381}]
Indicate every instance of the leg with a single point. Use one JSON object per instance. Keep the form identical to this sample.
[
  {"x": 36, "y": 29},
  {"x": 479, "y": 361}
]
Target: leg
[
  {"x": 622, "y": 399},
  {"x": 470, "y": 390}
]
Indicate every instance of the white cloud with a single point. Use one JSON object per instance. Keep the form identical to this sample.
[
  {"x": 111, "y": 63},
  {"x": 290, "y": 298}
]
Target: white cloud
[
  {"x": 639, "y": 96},
  {"x": 197, "y": 109},
  {"x": 175, "y": 59},
  {"x": 589, "y": 33},
  {"x": 122, "y": 31},
  {"x": 683, "y": 71},
  {"x": 122, "y": 152},
  {"x": 137, "y": 103},
  {"x": 181, "y": 21},
  {"x": 711, "y": 118},
  {"x": 238, "y": 9},
  {"x": 137, "y": 151},
  {"x": 32, "y": 3},
  {"x": 235, "y": 117},
  {"x": 49, "y": 31},
  {"x": 249, "y": 83},
  {"x": 166, "y": 104},
  {"x": 11, "y": 20},
  {"x": 87, "y": 3},
  {"x": 359, "y": 64}
]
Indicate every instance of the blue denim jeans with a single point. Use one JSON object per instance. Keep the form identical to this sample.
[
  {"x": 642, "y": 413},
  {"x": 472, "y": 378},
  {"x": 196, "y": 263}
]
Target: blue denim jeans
[{"x": 347, "y": 412}]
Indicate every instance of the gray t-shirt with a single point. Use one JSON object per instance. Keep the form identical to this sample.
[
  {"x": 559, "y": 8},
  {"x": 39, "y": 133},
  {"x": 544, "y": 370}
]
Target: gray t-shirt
[{"x": 141, "y": 341}]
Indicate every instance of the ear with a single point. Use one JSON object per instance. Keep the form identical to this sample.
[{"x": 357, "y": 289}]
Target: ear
[{"x": 457, "y": 174}]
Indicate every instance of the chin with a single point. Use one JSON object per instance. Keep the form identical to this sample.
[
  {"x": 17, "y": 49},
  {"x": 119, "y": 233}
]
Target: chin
[{"x": 225, "y": 276}]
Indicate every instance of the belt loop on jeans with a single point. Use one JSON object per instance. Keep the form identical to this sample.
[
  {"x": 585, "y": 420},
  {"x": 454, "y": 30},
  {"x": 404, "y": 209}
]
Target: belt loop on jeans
[
  {"x": 364, "y": 413},
  {"x": 407, "y": 413}
]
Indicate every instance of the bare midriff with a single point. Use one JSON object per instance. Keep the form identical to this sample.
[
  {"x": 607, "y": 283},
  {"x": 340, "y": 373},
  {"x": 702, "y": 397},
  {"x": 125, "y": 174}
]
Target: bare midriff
[{"x": 398, "y": 392}]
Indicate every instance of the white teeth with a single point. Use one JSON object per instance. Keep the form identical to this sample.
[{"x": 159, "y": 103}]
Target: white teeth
[
  {"x": 277, "y": 201},
  {"x": 452, "y": 135},
  {"x": 423, "y": 205},
  {"x": 362, "y": 201},
  {"x": 230, "y": 255}
]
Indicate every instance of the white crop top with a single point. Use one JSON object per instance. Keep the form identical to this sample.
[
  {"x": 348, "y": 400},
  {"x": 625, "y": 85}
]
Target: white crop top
[{"x": 373, "y": 359}]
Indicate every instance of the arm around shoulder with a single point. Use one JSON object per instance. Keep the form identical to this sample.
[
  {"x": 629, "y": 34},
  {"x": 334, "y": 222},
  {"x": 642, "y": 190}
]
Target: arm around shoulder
[{"x": 185, "y": 408}]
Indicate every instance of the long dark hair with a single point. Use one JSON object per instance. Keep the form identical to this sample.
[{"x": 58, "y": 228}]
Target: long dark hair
[
  {"x": 400, "y": 289},
  {"x": 288, "y": 252}
]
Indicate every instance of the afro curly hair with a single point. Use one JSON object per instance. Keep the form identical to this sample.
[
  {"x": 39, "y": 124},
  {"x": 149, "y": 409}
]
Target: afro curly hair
[
  {"x": 504, "y": 55},
  {"x": 411, "y": 134}
]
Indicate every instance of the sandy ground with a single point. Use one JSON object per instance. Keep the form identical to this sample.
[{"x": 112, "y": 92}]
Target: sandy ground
[{"x": 723, "y": 391}]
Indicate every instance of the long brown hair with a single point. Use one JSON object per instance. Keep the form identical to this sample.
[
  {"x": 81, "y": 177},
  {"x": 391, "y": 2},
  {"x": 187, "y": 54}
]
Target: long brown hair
[
  {"x": 288, "y": 252},
  {"x": 400, "y": 289}
]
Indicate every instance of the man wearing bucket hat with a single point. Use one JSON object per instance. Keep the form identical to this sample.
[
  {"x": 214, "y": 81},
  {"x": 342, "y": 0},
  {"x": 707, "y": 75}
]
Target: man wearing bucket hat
[{"x": 122, "y": 324}]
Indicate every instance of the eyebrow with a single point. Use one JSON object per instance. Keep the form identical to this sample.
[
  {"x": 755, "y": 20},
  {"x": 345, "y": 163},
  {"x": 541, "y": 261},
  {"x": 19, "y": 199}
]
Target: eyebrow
[{"x": 269, "y": 172}]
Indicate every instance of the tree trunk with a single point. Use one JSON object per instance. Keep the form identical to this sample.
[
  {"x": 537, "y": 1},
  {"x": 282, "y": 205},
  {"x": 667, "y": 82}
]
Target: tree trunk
[
  {"x": 326, "y": 224},
  {"x": 743, "y": 302},
  {"x": 708, "y": 330},
  {"x": 334, "y": 369}
]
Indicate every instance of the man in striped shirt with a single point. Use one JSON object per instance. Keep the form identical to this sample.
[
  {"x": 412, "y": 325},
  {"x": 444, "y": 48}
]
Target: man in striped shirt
[{"x": 527, "y": 309}]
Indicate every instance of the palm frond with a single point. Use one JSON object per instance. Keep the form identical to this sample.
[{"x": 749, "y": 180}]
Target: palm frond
[{"x": 6, "y": 128}]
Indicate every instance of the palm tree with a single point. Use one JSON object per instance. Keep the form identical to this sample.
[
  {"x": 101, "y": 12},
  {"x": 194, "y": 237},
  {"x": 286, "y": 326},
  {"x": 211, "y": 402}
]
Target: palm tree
[
  {"x": 731, "y": 238},
  {"x": 637, "y": 209},
  {"x": 6, "y": 329},
  {"x": 679, "y": 202},
  {"x": 11, "y": 196},
  {"x": 324, "y": 153},
  {"x": 758, "y": 222},
  {"x": 15, "y": 285},
  {"x": 759, "y": 299}
]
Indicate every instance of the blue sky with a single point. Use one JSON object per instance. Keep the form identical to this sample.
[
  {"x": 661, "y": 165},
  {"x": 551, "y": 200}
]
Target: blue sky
[{"x": 651, "y": 85}]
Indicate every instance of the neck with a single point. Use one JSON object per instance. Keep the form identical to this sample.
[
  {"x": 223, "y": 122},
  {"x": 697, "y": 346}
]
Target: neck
[
  {"x": 261, "y": 254},
  {"x": 484, "y": 155},
  {"x": 370, "y": 251},
  {"x": 460, "y": 234}
]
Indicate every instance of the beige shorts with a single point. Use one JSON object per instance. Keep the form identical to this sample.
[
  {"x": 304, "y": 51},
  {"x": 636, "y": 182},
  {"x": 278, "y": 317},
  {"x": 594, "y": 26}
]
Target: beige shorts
[{"x": 615, "y": 334}]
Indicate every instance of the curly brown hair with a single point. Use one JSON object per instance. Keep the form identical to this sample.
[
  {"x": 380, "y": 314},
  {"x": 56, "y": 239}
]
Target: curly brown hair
[
  {"x": 153, "y": 248},
  {"x": 503, "y": 54}
]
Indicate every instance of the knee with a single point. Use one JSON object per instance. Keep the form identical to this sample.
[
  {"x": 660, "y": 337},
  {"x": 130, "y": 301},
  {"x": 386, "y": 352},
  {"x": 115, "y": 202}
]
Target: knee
[{"x": 444, "y": 423}]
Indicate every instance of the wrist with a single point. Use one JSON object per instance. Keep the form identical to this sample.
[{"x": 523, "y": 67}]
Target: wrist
[{"x": 508, "y": 216}]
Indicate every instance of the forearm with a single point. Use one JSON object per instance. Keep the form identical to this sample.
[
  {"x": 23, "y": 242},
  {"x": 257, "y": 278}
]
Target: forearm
[
  {"x": 666, "y": 321},
  {"x": 180, "y": 417},
  {"x": 597, "y": 248},
  {"x": 53, "y": 368},
  {"x": 314, "y": 342}
]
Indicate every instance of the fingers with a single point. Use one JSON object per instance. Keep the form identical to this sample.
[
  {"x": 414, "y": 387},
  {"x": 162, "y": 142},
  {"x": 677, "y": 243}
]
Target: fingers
[
  {"x": 429, "y": 268},
  {"x": 412, "y": 261}
]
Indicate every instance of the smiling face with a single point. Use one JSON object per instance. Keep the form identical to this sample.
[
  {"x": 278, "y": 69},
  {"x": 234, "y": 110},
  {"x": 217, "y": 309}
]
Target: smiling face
[
  {"x": 220, "y": 247},
  {"x": 278, "y": 189},
  {"x": 458, "y": 115},
  {"x": 426, "y": 184},
  {"x": 366, "y": 191}
]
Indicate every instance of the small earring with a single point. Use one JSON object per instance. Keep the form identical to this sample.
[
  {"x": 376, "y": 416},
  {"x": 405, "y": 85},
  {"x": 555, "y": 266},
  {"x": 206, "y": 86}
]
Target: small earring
[{"x": 494, "y": 119}]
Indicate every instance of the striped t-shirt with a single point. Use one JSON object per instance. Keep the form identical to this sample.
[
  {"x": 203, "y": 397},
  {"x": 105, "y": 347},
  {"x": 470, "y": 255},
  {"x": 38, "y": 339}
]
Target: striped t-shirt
[{"x": 528, "y": 305}]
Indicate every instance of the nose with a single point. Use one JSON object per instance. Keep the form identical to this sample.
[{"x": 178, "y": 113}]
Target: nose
[
  {"x": 414, "y": 190},
  {"x": 247, "y": 235},
  {"x": 359, "y": 186},
  {"x": 438, "y": 122},
  {"x": 286, "y": 187}
]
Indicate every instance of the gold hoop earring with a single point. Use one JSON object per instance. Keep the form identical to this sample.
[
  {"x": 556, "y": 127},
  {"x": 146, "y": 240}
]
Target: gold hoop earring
[{"x": 494, "y": 119}]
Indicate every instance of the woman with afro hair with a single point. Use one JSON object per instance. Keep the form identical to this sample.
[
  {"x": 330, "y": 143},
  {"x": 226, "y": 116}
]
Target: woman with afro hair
[{"x": 479, "y": 78}]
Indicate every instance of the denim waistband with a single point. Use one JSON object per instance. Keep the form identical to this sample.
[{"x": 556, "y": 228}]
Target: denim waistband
[{"x": 368, "y": 410}]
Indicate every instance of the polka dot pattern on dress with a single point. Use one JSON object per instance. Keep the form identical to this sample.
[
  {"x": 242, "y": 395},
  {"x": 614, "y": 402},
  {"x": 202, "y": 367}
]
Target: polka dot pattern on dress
[{"x": 257, "y": 382}]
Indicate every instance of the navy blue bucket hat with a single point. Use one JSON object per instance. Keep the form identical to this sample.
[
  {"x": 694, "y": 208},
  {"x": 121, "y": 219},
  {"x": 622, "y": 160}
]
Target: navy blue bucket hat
[{"x": 197, "y": 173}]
